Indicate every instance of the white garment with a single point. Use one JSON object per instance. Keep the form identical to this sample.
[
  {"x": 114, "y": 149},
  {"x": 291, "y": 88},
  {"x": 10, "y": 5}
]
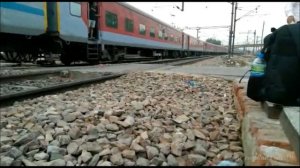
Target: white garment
[{"x": 293, "y": 9}]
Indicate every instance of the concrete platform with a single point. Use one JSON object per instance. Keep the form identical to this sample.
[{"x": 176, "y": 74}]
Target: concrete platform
[
  {"x": 264, "y": 139},
  {"x": 289, "y": 120}
]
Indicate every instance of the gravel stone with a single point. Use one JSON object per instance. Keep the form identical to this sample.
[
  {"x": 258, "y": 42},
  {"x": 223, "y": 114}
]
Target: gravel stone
[
  {"x": 57, "y": 162},
  {"x": 14, "y": 153},
  {"x": 137, "y": 147},
  {"x": 151, "y": 152},
  {"x": 86, "y": 156},
  {"x": 196, "y": 160},
  {"x": 164, "y": 148},
  {"x": 104, "y": 163},
  {"x": 6, "y": 161},
  {"x": 41, "y": 156},
  {"x": 55, "y": 149},
  {"x": 129, "y": 154},
  {"x": 55, "y": 156},
  {"x": 105, "y": 152},
  {"x": 69, "y": 163},
  {"x": 94, "y": 160},
  {"x": 157, "y": 161},
  {"x": 73, "y": 148},
  {"x": 64, "y": 139},
  {"x": 28, "y": 162},
  {"x": 117, "y": 159},
  {"x": 142, "y": 162},
  {"x": 5, "y": 140},
  {"x": 128, "y": 162},
  {"x": 32, "y": 153},
  {"x": 74, "y": 133},
  {"x": 112, "y": 127},
  {"x": 176, "y": 148},
  {"x": 129, "y": 121},
  {"x": 26, "y": 138},
  {"x": 172, "y": 160},
  {"x": 199, "y": 149},
  {"x": 69, "y": 117},
  {"x": 181, "y": 119}
]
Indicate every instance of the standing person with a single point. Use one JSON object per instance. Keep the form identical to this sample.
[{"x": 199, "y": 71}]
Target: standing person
[
  {"x": 292, "y": 11},
  {"x": 92, "y": 18}
]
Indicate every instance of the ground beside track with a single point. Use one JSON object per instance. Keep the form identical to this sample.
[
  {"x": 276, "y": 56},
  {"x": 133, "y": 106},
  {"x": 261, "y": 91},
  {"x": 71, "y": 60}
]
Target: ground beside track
[{"x": 172, "y": 115}]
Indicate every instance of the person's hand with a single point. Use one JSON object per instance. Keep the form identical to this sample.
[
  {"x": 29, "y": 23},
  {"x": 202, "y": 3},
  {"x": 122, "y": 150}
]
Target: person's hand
[{"x": 290, "y": 19}]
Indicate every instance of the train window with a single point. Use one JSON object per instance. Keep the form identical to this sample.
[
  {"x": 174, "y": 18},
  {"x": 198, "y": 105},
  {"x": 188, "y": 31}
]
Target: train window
[
  {"x": 160, "y": 34},
  {"x": 129, "y": 25},
  {"x": 111, "y": 19},
  {"x": 142, "y": 29},
  {"x": 152, "y": 32},
  {"x": 75, "y": 9}
]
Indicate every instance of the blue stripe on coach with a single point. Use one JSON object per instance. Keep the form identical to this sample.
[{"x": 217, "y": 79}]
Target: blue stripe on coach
[{"x": 22, "y": 8}]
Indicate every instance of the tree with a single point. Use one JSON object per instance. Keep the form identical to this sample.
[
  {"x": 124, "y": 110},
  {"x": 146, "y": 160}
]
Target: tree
[{"x": 213, "y": 41}]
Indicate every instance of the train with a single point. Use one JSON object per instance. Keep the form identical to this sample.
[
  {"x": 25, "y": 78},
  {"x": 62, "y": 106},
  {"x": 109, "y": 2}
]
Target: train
[{"x": 30, "y": 30}]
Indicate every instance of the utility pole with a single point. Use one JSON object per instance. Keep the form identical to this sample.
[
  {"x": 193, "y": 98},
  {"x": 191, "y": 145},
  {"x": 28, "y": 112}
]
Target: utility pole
[
  {"x": 262, "y": 34},
  {"x": 235, "y": 20},
  {"x": 247, "y": 38},
  {"x": 182, "y": 9},
  {"x": 257, "y": 47},
  {"x": 234, "y": 23},
  {"x": 254, "y": 41},
  {"x": 230, "y": 31},
  {"x": 198, "y": 33}
]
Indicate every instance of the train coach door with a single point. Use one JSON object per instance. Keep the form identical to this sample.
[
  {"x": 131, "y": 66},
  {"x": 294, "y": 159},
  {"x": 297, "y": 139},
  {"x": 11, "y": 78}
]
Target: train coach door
[{"x": 93, "y": 13}]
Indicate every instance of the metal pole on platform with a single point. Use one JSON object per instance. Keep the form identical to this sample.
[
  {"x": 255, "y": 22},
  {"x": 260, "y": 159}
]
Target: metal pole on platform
[
  {"x": 262, "y": 35},
  {"x": 233, "y": 35},
  {"x": 197, "y": 34},
  {"x": 230, "y": 30},
  {"x": 254, "y": 42}
]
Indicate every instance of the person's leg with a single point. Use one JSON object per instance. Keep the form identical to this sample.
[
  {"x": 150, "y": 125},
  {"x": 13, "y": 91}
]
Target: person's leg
[
  {"x": 90, "y": 28},
  {"x": 93, "y": 24}
]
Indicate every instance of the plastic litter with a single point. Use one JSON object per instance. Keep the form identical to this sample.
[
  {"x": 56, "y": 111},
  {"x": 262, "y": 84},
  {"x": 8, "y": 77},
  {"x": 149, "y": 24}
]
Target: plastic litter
[
  {"x": 192, "y": 83},
  {"x": 227, "y": 163}
]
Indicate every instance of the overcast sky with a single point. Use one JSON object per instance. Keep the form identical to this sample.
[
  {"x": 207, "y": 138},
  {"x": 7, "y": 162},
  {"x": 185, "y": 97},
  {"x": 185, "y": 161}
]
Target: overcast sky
[{"x": 202, "y": 14}]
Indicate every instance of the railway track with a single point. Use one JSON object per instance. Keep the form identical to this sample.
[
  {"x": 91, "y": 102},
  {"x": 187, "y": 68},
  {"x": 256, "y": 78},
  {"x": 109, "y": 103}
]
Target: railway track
[
  {"x": 15, "y": 87},
  {"x": 24, "y": 86},
  {"x": 181, "y": 61}
]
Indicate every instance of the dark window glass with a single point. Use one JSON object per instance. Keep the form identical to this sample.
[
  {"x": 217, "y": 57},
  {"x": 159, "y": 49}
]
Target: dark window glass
[
  {"x": 129, "y": 25},
  {"x": 111, "y": 19}
]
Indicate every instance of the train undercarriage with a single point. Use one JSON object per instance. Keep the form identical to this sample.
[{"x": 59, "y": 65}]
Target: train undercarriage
[{"x": 46, "y": 49}]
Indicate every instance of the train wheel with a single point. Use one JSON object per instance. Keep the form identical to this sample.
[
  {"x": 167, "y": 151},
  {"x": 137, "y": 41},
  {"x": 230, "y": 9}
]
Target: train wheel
[
  {"x": 13, "y": 56},
  {"x": 30, "y": 57},
  {"x": 113, "y": 57}
]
